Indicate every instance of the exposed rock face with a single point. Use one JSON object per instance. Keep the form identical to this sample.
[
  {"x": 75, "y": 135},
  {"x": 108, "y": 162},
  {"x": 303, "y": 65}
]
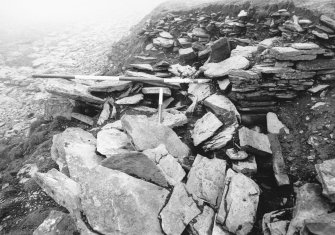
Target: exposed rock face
[
  {"x": 309, "y": 204},
  {"x": 57, "y": 223},
  {"x": 215, "y": 70},
  {"x": 326, "y": 173},
  {"x": 72, "y": 90},
  {"x": 121, "y": 203},
  {"x": 239, "y": 203},
  {"x": 206, "y": 179},
  {"x": 256, "y": 142},
  {"x": 74, "y": 152},
  {"x": 204, "y": 222},
  {"x": 136, "y": 164},
  {"x": 148, "y": 135},
  {"x": 61, "y": 188},
  {"x": 220, "y": 50},
  {"x": 179, "y": 211},
  {"x": 205, "y": 128},
  {"x": 223, "y": 108},
  {"x": 109, "y": 86},
  {"x": 112, "y": 141},
  {"x": 169, "y": 165}
]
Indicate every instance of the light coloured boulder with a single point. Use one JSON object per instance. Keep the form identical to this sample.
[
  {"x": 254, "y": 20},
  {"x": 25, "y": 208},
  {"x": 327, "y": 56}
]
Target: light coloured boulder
[
  {"x": 206, "y": 179},
  {"x": 163, "y": 42},
  {"x": 116, "y": 203},
  {"x": 57, "y": 223},
  {"x": 326, "y": 173},
  {"x": 169, "y": 165},
  {"x": 200, "y": 91},
  {"x": 205, "y": 128},
  {"x": 179, "y": 211},
  {"x": 254, "y": 141},
  {"x": 309, "y": 204},
  {"x": 305, "y": 46},
  {"x": 147, "y": 135},
  {"x": 215, "y": 70},
  {"x": 61, "y": 188},
  {"x": 74, "y": 152},
  {"x": 247, "y": 51},
  {"x": 222, "y": 107},
  {"x": 165, "y": 34},
  {"x": 239, "y": 203},
  {"x": 274, "y": 125},
  {"x": 113, "y": 141}
]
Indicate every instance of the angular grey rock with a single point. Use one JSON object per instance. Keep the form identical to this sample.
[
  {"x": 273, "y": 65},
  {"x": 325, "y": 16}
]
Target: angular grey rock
[
  {"x": 199, "y": 32},
  {"x": 329, "y": 22},
  {"x": 148, "y": 135},
  {"x": 214, "y": 70},
  {"x": 170, "y": 167},
  {"x": 278, "y": 164},
  {"x": 179, "y": 211},
  {"x": 254, "y": 141},
  {"x": 221, "y": 139},
  {"x": 200, "y": 91},
  {"x": 116, "y": 125},
  {"x": 163, "y": 42},
  {"x": 113, "y": 141},
  {"x": 105, "y": 113},
  {"x": 309, "y": 204},
  {"x": 135, "y": 99},
  {"x": 155, "y": 90},
  {"x": 109, "y": 86},
  {"x": 187, "y": 54},
  {"x": 323, "y": 224},
  {"x": 146, "y": 67},
  {"x": 56, "y": 223},
  {"x": 138, "y": 165},
  {"x": 320, "y": 34},
  {"x": 165, "y": 34},
  {"x": 61, "y": 188},
  {"x": 271, "y": 224},
  {"x": 116, "y": 203},
  {"x": 223, "y": 108},
  {"x": 305, "y": 46},
  {"x": 274, "y": 125},
  {"x": 224, "y": 84},
  {"x": 72, "y": 90},
  {"x": 239, "y": 203},
  {"x": 236, "y": 155},
  {"x": 218, "y": 230},
  {"x": 267, "y": 43},
  {"x": 74, "y": 152},
  {"x": 57, "y": 106},
  {"x": 247, "y": 51},
  {"x": 204, "y": 222},
  {"x": 326, "y": 173},
  {"x": 220, "y": 50},
  {"x": 247, "y": 167},
  {"x": 83, "y": 118},
  {"x": 318, "y": 88},
  {"x": 205, "y": 128},
  {"x": 206, "y": 179},
  {"x": 171, "y": 118}
]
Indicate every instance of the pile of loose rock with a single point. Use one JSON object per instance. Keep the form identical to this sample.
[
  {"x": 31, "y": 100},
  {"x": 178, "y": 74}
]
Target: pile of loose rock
[{"x": 138, "y": 177}]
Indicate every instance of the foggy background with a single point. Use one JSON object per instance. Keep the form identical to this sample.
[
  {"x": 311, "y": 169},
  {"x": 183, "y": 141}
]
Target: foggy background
[{"x": 30, "y": 19}]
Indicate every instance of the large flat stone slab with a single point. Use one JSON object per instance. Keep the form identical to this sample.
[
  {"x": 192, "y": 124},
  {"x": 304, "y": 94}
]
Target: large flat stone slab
[
  {"x": 72, "y": 90},
  {"x": 116, "y": 203},
  {"x": 239, "y": 203},
  {"x": 319, "y": 64},
  {"x": 221, "y": 139},
  {"x": 205, "y": 128},
  {"x": 221, "y": 69},
  {"x": 179, "y": 211},
  {"x": 254, "y": 142},
  {"x": 206, "y": 179},
  {"x": 147, "y": 135}
]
